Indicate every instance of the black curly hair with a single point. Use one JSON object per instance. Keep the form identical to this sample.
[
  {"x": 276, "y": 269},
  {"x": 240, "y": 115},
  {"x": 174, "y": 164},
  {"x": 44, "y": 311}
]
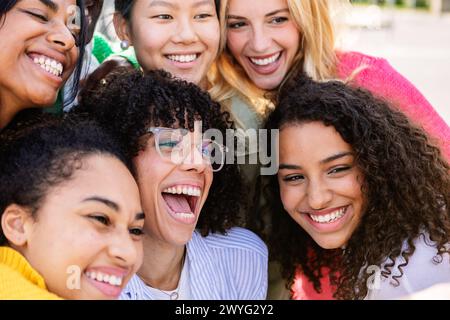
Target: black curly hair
[
  {"x": 127, "y": 102},
  {"x": 39, "y": 152},
  {"x": 406, "y": 187}
]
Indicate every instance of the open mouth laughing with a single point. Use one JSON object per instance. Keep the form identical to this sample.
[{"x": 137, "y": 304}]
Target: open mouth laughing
[{"x": 182, "y": 200}]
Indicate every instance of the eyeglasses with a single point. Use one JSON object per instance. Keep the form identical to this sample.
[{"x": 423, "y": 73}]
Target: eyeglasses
[{"x": 176, "y": 145}]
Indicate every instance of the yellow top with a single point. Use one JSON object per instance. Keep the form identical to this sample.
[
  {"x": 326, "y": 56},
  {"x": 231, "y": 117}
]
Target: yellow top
[{"x": 18, "y": 280}]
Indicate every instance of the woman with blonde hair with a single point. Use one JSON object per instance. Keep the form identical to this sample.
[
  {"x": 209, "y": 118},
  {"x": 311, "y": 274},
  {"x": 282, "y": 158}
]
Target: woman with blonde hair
[{"x": 267, "y": 42}]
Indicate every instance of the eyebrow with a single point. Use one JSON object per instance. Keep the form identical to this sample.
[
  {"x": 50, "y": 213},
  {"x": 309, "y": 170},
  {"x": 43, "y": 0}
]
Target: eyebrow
[
  {"x": 109, "y": 203},
  {"x": 203, "y": 3},
  {"x": 50, "y": 4},
  {"x": 267, "y": 15},
  {"x": 324, "y": 161},
  {"x": 140, "y": 216}
]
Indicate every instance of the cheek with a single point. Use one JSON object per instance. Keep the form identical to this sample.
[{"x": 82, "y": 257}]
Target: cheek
[
  {"x": 210, "y": 35},
  {"x": 209, "y": 177},
  {"x": 289, "y": 198},
  {"x": 235, "y": 42},
  {"x": 289, "y": 38},
  {"x": 74, "y": 54}
]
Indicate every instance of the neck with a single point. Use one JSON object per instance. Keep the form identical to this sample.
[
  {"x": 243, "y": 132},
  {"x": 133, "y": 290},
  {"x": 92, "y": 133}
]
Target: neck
[{"x": 162, "y": 264}]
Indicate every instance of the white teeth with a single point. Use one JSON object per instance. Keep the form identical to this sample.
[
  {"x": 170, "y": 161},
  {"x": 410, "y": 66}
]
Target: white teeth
[
  {"x": 50, "y": 65},
  {"x": 185, "y": 215},
  {"x": 328, "y": 218},
  {"x": 183, "y": 58},
  {"x": 106, "y": 278},
  {"x": 267, "y": 61},
  {"x": 187, "y": 190}
]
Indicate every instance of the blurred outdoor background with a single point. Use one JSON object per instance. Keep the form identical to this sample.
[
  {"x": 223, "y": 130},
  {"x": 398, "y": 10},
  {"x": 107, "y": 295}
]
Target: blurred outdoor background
[{"x": 413, "y": 35}]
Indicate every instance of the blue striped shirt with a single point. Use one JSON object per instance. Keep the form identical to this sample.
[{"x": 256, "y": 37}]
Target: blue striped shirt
[{"x": 222, "y": 267}]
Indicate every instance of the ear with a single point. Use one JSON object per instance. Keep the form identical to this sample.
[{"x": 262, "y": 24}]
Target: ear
[
  {"x": 14, "y": 220},
  {"x": 122, "y": 27}
]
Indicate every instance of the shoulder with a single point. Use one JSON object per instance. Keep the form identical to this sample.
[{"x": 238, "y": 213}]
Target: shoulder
[
  {"x": 424, "y": 260},
  {"x": 235, "y": 239},
  {"x": 424, "y": 269},
  {"x": 364, "y": 68},
  {"x": 14, "y": 286},
  {"x": 351, "y": 59}
]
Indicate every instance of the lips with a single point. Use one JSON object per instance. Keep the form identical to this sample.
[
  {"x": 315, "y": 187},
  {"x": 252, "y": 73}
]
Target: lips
[
  {"x": 108, "y": 280},
  {"x": 266, "y": 65},
  {"x": 183, "y": 58},
  {"x": 329, "y": 220},
  {"x": 266, "y": 60}
]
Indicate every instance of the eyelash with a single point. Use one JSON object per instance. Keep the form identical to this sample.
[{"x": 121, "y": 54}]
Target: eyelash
[
  {"x": 236, "y": 25},
  {"x": 163, "y": 17},
  {"x": 101, "y": 219},
  {"x": 204, "y": 15},
  {"x": 280, "y": 20},
  {"x": 139, "y": 233},
  {"x": 340, "y": 169},
  {"x": 39, "y": 16},
  {"x": 293, "y": 178},
  {"x": 299, "y": 177},
  {"x": 105, "y": 221}
]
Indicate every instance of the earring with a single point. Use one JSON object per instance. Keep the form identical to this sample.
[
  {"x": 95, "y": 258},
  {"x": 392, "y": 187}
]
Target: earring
[{"x": 124, "y": 44}]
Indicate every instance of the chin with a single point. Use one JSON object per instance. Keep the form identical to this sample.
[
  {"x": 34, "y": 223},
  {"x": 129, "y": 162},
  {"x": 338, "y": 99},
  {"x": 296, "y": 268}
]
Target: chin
[
  {"x": 264, "y": 85},
  {"x": 329, "y": 244},
  {"x": 47, "y": 102}
]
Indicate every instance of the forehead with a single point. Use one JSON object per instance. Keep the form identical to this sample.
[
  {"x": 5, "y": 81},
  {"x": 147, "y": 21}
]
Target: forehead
[
  {"x": 175, "y": 3},
  {"x": 310, "y": 141},
  {"x": 255, "y": 7},
  {"x": 99, "y": 175}
]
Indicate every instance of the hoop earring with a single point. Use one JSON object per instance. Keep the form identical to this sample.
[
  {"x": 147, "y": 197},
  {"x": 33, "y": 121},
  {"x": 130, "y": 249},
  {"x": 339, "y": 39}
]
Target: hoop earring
[{"x": 124, "y": 44}]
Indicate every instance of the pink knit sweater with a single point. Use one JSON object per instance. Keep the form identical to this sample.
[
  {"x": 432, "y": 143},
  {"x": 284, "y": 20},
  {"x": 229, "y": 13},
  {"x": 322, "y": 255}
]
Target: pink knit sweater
[{"x": 383, "y": 81}]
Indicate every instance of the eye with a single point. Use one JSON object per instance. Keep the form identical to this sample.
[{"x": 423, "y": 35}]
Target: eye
[
  {"x": 339, "y": 169},
  {"x": 101, "y": 218},
  {"x": 278, "y": 20},
  {"x": 163, "y": 17},
  {"x": 38, "y": 16},
  {"x": 203, "y": 16},
  {"x": 136, "y": 232},
  {"x": 294, "y": 178},
  {"x": 168, "y": 144},
  {"x": 236, "y": 25}
]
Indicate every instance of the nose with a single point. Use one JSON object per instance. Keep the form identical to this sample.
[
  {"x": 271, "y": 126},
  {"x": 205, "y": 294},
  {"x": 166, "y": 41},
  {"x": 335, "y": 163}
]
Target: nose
[
  {"x": 194, "y": 161},
  {"x": 260, "y": 40},
  {"x": 61, "y": 37},
  {"x": 185, "y": 32},
  {"x": 123, "y": 250},
  {"x": 319, "y": 194}
]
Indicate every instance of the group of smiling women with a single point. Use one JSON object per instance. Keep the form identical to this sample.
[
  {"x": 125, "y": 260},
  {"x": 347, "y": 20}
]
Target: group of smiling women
[{"x": 123, "y": 196}]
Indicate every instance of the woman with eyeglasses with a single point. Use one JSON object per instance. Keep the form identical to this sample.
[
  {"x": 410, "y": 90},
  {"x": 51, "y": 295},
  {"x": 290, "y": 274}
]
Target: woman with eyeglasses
[
  {"x": 42, "y": 44},
  {"x": 191, "y": 197}
]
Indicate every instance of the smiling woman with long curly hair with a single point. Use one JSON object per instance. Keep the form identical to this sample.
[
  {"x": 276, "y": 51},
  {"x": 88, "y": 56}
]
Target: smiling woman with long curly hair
[{"x": 360, "y": 206}]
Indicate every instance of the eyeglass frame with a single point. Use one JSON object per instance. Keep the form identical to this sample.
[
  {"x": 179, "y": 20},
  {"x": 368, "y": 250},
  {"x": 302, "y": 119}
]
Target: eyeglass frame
[{"x": 156, "y": 131}]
